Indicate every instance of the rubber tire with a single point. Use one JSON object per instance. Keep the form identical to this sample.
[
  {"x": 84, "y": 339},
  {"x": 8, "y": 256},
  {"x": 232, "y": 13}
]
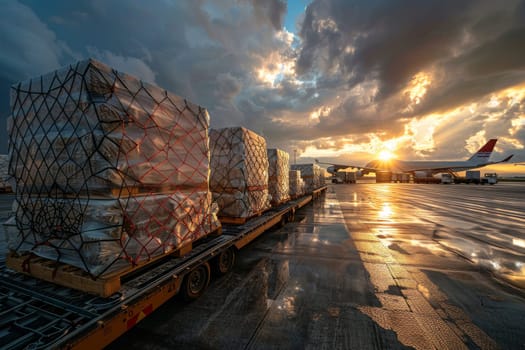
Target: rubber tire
[
  {"x": 291, "y": 216},
  {"x": 283, "y": 221},
  {"x": 224, "y": 262},
  {"x": 195, "y": 282}
]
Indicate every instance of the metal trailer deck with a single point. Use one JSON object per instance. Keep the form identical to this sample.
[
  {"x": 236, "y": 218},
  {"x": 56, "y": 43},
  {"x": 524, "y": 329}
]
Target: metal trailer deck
[{"x": 35, "y": 314}]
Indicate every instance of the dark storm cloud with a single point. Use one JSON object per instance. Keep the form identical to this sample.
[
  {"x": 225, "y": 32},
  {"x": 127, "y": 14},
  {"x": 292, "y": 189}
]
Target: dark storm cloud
[
  {"x": 495, "y": 56},
  {"x": 474, "y": 46},
  {"x": 27, "y": 44},
  {"x": 273, "y": 10},
  {"x": 353, "y": 61},
  {"x": 490, "y": 66},
  {"x": 388, "y": 40},
  {"x": 205, "y": 51},
  {"x": 5, "y": 85}
]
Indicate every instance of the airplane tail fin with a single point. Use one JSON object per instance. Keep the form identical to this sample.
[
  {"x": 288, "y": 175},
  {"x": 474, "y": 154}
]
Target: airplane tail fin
[{"x": 483, "y": 155}]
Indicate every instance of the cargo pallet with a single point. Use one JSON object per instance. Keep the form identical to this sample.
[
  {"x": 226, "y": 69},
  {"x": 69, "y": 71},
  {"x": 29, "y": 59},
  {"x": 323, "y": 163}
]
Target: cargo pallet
[
  {"x": 76, "y": 278},
  {"x": 39, "y": 314}
]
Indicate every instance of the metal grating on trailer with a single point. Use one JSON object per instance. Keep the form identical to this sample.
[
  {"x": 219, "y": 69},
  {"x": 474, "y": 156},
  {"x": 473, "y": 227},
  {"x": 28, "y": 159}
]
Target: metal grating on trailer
[{"x": 34, "y": 313}]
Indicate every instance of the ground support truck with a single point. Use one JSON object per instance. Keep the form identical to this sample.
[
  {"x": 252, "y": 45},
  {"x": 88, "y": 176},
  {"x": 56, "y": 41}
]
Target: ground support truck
[
  {"x": 474, "y": 177},
  {"x": 344, "y": 177},
  {"x": 40, "y": 315}
]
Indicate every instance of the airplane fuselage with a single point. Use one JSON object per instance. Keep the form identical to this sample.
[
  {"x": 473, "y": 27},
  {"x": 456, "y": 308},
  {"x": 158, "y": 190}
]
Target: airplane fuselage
[
  {"x": 425, "y": 167},
  {"x": 433, "y": 167}
]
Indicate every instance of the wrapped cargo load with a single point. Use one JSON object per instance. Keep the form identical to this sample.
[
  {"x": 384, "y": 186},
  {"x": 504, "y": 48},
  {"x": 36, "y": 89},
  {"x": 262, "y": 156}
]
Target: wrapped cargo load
[
  {"x": 278, "y": 177},
  {"x": 4, "y": 176},
  {"x": 239, "y": 172},
  {"x": 312, "y": 176},
  {"x": 108, "y": 170},
  {"x": 296, "y": 183},
  {"x": 88, "y": 128},
  {"x": 108, "y": 234}
]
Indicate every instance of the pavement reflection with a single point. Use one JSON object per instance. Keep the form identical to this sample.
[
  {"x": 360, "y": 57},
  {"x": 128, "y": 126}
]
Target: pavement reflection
[
  {"x": 365, "y": 267},
  {"x": 424, "y": 229}
]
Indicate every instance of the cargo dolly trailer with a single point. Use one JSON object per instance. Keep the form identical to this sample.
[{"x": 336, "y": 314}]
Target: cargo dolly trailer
[{"x": 41, "y": 315}]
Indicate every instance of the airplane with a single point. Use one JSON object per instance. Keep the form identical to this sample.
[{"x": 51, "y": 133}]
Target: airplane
[{"x": 423, "y": 168}]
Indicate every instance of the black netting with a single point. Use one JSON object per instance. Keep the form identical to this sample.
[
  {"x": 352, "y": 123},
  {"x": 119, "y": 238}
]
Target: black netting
[
  {"x": 312, "y": 176},
  {"x": 297, "y": 186},
  {"x": 239, "y": 172},
  {"x": 278, "y": 177},
  {"x": 109, "y": 170}
]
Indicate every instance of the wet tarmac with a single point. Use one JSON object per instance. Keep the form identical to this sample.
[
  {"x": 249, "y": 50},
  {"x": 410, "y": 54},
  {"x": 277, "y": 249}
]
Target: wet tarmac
[{"x": 368, "y": 266}]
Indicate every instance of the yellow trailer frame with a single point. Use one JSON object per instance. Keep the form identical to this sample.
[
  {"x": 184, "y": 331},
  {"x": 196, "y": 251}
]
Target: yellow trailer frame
[{"x": 141, "y": 296}]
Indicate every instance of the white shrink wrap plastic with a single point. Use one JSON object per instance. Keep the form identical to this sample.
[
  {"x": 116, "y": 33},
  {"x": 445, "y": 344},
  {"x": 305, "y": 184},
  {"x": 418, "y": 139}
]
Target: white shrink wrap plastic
[
  {"x": 278, "y": 177},
  {"x": 239, "y": 172},
  {"x": 297, "y": 185},
  {"x": 108, "y": 170},
  {"x": 4, "y": 176},
  {"x": 312, "y": 176}
]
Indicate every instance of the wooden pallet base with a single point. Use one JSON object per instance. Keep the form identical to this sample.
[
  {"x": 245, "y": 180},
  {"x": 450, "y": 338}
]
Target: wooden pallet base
[
  {"x": 76, "y": 278},
  {"x": 62, "y": 274},
  {"x": 227, "y": 220},
  {"x": 277, "y": 204},
  {"x": 73, "y": 277}
]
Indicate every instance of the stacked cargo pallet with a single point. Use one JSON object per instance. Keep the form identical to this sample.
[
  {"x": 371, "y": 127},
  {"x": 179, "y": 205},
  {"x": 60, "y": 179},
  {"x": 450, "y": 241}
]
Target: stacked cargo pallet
[
  {"x": 239, "y": 173},
  {"x": 110, "y": 171},
  {"x": 4, "y": 176},
  {"x": 312, "y": 176},
  {"x": 297, "y": 184},
  {"x": 278, "y": 176}
]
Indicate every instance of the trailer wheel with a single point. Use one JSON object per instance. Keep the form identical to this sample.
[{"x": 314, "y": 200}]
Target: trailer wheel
[
  {"x": 283, "y": 221},
  {"x": 291, "y": 215},
  {"x": 224, "y": 262},
  {"x": 195, "y": 282}
]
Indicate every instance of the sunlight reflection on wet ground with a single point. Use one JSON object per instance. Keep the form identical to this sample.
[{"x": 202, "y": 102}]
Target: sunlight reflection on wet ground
[
  {"x": 416, "y": 238},
  {"x": 485, "y": 224},
  {"x": 365, "y": 267},
  {"x": 361, "y": 268}
]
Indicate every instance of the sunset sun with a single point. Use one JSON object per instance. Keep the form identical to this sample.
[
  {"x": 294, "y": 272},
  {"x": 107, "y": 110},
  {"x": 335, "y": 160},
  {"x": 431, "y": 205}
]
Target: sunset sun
[{"x": 386, "y": 155}]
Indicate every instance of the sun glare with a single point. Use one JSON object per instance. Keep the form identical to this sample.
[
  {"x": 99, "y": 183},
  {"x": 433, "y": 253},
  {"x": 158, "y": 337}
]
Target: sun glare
[{"x": 386, "y": 155}]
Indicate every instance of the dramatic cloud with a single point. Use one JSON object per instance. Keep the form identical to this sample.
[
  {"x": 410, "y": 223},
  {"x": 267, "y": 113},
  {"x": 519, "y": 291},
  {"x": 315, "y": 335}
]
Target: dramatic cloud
[
  {"x": 28, "y": 45},
  {"x": 427, "y": 79},
  {"x": 412, "y": 59}
]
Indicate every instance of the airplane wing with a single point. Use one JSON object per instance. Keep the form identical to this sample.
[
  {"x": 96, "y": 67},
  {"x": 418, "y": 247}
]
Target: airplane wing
[
  {"x": 336, "y": 167},
  {"x": 506, "y": 159},
  {"x": 498, "y": 162}
]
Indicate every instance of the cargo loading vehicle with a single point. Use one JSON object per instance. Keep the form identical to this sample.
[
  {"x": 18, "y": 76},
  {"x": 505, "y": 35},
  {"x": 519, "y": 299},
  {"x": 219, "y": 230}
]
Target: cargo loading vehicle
[
  {"x": 39, "y": 314},
  {"x": 123, "y": 199}
]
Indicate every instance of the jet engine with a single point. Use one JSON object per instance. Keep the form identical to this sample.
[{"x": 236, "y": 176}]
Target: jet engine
[
  {"x": 422, "y": 174},
  {"x": 332, "y": 170}
]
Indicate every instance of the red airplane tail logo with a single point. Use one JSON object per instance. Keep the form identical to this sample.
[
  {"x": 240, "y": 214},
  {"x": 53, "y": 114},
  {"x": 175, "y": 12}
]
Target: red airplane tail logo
[{"x": 485, "y": 151}]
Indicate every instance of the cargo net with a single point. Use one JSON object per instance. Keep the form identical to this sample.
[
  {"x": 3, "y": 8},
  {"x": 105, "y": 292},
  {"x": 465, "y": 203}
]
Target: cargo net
[
  {"x": 296, "y": 184},
  {"x": 239, "y": 172},
  {"x": 108, "y": 171},
  {"x": 311, "y": 175},
  {"x": 278, "y": 177}
]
